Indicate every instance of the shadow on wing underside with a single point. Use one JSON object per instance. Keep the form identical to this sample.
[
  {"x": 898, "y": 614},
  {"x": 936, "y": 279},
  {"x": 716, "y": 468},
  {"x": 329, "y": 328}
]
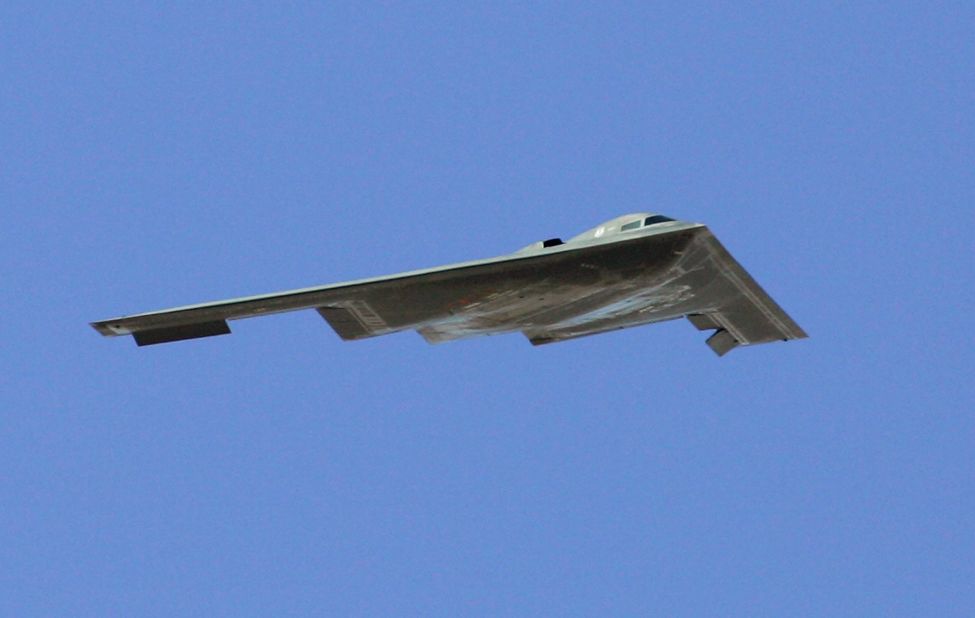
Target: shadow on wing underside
[
  {"x": 504, "y": 312},
  {"x": 553, "y": 306}
]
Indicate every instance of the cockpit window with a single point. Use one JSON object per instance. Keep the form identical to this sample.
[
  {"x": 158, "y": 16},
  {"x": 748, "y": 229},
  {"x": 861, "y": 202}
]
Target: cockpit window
[
  {"x": 632, "y": 225},
  {"x": 656, "y": 219}
]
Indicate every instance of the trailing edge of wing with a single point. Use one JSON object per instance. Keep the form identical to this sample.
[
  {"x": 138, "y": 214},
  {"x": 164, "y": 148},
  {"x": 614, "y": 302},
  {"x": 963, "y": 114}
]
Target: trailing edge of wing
[{"x": 179, "y": 333}]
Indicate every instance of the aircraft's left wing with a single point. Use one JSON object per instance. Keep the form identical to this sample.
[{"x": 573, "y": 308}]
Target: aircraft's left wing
[{"x": 706, "y": 285}]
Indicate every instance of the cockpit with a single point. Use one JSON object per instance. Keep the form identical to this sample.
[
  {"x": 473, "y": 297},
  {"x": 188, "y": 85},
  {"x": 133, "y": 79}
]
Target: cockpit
[
  {"x": 626, "y": 223},
  {"x": 632, "y": 225}
]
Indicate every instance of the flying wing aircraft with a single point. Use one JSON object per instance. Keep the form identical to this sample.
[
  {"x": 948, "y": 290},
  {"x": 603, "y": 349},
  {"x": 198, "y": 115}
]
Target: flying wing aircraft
[{"x": 632, "y": 270}]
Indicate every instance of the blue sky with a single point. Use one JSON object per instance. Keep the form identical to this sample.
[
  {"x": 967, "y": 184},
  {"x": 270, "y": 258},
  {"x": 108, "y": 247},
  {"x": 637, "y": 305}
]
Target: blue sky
[{"x": 153, "y": 155}]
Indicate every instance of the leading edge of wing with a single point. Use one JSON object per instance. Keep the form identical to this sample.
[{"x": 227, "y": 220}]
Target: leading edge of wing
[{"x": 207, "y": 319}]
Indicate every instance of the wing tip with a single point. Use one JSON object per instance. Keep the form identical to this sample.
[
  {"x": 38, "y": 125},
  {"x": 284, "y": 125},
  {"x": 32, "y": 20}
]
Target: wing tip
[{"x": 106, "y": 328}]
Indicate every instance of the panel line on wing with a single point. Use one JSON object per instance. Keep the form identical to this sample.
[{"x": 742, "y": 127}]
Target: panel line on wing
[
  {"x": 369, "y": 319},
  {"x": 725, "y": 266},
  {"x": 726, "y": 324}
]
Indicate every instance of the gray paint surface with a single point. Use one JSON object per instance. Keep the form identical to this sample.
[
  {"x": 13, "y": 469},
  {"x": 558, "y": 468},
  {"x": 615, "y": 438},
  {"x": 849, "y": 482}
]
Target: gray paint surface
[{"x": 601, "y": 280}]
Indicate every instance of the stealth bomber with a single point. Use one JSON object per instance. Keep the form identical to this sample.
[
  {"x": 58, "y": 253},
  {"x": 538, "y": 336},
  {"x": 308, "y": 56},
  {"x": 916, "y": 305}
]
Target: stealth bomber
[{"x": 632, "y": 270}]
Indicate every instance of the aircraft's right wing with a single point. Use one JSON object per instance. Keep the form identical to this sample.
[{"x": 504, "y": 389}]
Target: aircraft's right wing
[
  {"x": 747, "y": 317},
  {"x": 707, "y": 286}
]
